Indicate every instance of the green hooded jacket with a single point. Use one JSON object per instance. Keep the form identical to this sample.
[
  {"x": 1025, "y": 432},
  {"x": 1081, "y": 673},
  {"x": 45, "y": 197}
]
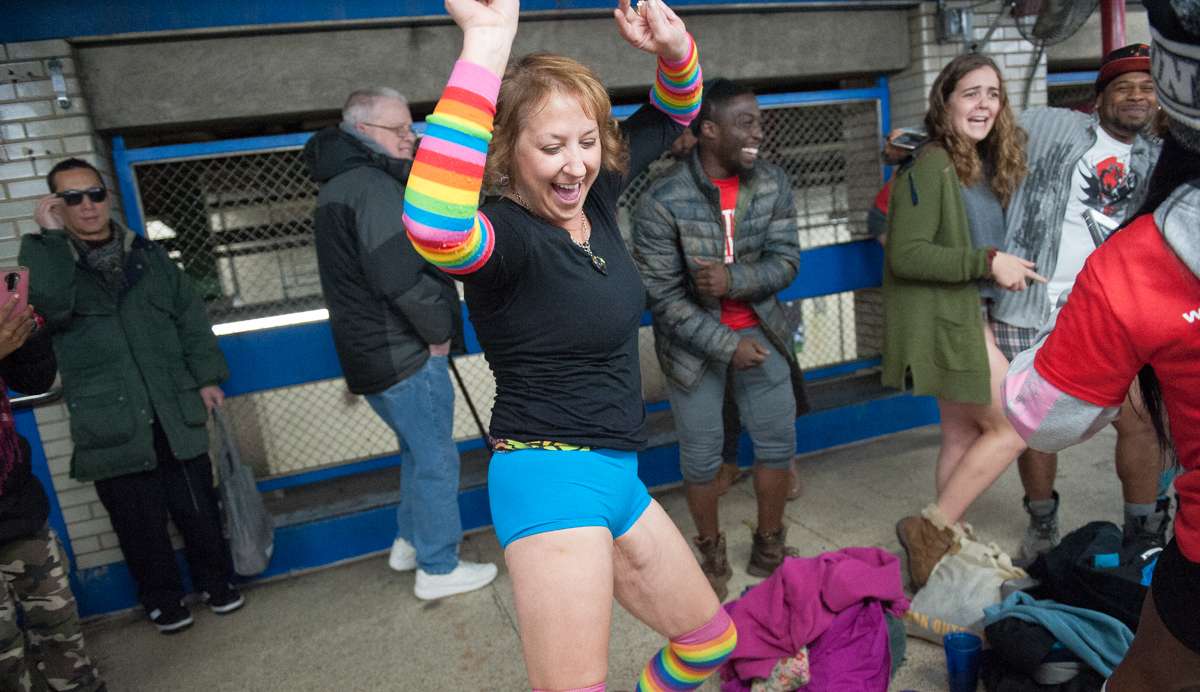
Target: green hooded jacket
[
  {"x": 933, "y": 323},
  {"x": 125, "y": 359}
]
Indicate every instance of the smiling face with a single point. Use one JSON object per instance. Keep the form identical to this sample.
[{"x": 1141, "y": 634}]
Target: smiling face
[
  {"x": 973, "y": 105},
  {"x": 732, "y": 138},
  {"x": 557, "y": 158},
  {"x": 1127, "y": 104},
  {"x": 87, "y": 220}
]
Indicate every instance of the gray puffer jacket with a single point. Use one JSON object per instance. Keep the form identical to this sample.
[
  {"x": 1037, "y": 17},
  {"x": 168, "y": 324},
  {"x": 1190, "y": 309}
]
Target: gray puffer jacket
[{"x": 676, "y": 223}]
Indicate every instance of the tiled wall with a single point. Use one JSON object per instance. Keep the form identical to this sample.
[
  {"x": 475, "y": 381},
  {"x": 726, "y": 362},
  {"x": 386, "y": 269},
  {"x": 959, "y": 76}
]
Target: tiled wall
[{"x": 35, "y": 134}]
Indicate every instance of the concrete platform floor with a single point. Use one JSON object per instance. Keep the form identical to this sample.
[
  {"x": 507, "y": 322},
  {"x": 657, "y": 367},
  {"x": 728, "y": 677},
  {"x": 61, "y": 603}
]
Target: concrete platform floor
[{"x": 358, "y": 626}]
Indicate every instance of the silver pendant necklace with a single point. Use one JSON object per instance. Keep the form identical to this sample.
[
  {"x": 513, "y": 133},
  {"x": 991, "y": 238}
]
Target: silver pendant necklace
[{"x": 598, "y": 262}]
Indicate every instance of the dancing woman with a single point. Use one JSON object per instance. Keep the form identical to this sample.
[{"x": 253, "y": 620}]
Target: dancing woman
[{"x": 556, "y": 302}]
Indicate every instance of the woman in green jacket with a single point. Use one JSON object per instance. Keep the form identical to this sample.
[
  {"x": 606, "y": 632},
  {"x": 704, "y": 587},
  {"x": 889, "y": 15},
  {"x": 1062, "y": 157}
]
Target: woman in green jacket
[{"x": 946, "y": 219}]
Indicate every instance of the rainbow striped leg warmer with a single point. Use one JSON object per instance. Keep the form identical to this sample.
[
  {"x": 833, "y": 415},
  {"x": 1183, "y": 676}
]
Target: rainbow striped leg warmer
[{"x": 687, "y": 661}]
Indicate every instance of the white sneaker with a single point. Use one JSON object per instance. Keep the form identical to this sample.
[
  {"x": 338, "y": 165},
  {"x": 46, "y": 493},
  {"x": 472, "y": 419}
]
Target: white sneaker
[
  {"x": 403, "y": 557},
  {"x": 468, "y": 576}
]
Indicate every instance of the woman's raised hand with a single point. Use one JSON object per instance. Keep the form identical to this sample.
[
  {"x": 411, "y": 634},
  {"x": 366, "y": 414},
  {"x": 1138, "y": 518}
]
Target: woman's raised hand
[
  {"x": 654, "y": 28},
  {"x": 488, "y": 27}
]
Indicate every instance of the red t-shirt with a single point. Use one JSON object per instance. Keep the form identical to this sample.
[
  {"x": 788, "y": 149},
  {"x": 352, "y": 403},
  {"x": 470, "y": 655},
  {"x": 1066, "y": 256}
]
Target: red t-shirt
[
  {"x": 1136, "y": 303},
  {"x": 883, "y": 197},
  {"x": 734, "y": 313}
]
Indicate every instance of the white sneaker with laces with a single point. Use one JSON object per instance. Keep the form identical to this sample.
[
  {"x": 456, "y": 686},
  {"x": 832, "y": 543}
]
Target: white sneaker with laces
[
  {"x": 403, "y": 557},
  {"x": 468, "y": 576}
]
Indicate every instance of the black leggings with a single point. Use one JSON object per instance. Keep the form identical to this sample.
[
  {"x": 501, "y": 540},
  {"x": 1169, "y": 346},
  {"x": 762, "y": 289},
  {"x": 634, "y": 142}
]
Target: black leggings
[{"x": 1176, "y": 588}]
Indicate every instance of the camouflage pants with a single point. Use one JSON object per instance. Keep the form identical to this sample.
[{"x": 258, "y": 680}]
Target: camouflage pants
[{"x": 45, "y": 636}]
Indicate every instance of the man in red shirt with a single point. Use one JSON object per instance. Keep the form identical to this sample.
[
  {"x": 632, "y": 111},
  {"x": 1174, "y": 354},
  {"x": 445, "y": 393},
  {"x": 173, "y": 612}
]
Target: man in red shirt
[{"x": 716, "y": 239}]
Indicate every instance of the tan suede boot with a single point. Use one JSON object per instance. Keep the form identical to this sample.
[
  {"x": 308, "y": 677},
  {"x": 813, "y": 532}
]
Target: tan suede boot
[
  {"x": 714, "y": 563},
  {"x": 768, "y": 552},
  {"x": 926, "y": 538}
]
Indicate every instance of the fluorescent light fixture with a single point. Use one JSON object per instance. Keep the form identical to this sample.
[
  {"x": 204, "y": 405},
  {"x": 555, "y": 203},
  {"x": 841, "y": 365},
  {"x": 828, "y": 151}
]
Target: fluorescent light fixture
[{"x": 259, "y": 323}]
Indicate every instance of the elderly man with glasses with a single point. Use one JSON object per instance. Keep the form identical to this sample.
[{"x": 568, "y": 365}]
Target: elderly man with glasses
[
  {"x": 140, "y": 371},
  {"x": 393, "y": 317}
]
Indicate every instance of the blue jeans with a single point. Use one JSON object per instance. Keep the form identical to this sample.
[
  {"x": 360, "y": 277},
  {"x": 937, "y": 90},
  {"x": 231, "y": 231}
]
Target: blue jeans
[{"x": 420, "y": 409}]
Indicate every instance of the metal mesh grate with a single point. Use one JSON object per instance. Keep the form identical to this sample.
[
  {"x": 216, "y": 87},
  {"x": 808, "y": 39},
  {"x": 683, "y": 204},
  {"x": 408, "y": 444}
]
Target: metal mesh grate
[
  {"x": 1070, "y": 95},
  {"x": 831, "y": 152},
  {"x": 241, "y": 226},
  {"x": 299, "y": 428}
]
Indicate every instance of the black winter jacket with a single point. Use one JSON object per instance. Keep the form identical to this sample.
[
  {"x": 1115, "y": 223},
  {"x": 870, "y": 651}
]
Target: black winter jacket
[
  {"x": 23, "y": 504},
  {"x": 386, "y": 304}
]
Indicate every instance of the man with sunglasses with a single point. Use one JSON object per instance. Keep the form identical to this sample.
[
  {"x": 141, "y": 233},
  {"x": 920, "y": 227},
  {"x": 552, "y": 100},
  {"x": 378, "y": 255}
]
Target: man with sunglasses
[
  {"x": 393, "y": 316},
  {"x": 141, "y": 372}
]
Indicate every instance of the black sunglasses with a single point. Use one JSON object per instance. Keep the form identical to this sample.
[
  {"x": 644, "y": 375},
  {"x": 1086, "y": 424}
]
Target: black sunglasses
[{"x": 75, "y": 197}]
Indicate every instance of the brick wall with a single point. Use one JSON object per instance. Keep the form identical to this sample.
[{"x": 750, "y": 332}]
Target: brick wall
[
  {"x": 35, "y": 134},
  {"x": 1014, "y": 56}
]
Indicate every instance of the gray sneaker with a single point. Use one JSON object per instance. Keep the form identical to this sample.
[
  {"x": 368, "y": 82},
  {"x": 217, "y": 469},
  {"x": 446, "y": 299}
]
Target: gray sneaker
[{"x": 1041, "y": 534}]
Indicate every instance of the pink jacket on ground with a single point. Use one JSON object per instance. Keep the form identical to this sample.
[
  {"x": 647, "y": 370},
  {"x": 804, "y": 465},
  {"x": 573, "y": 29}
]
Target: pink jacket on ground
[{"x": 801, "y": 601}]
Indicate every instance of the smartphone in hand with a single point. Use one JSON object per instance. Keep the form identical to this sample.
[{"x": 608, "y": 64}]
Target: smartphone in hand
[
  {"x": 16, "y": 284},
  {"x": 909, "y": 139}
]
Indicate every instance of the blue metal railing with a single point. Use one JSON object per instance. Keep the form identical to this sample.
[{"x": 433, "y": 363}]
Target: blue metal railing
[
  {"x": 1070, "y": 78},
  {"x": 301, "y": 353}
]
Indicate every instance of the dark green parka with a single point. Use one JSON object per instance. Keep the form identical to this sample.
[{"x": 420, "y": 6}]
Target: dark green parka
[{"x": 125, "y": 359}]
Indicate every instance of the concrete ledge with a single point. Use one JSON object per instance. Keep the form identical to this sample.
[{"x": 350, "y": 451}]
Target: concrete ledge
[{"x": 194, "y": 80}]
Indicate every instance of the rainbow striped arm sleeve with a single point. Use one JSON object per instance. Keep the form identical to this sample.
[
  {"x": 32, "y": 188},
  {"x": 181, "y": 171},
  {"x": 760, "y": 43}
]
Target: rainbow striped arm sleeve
[
  {"x": 678, "y": 86},
  {"x": 441, "y": 201}
]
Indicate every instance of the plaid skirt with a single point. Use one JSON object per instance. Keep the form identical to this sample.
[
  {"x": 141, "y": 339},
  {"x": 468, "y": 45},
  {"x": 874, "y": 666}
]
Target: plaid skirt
[{"x": 1012, "y": 340}]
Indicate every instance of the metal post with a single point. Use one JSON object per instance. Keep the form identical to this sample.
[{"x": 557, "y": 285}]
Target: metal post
[{"x": 1112, "y": 24}]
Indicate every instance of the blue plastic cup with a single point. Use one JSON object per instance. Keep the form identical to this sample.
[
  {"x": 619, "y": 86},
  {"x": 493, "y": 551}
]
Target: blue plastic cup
[{"x": 962, "y": 660}]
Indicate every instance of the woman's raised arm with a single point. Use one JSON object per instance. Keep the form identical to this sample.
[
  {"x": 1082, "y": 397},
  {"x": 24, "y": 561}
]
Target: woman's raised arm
[{"x": 441, "y": 202}]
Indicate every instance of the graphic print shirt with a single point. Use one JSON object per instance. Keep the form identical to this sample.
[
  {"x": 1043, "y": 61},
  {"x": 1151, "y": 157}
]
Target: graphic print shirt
[
  {"x": 1101, "y": 184},
  {"x": 735, "y": 314}
]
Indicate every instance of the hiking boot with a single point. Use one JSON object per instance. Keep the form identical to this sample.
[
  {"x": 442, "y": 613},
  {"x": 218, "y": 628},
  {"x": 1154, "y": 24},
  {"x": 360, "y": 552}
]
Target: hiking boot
[
  {"x": 467, "y": 576},
  {"x": 223, "y": 600},
  {"x": 1149, "y": 531},
  {"x": 1041, "y": 534},
  {"x": 768, "y": 552},
  {"x": 926, "y": 538},
  {"x": 171, "y": 618},
  {"x": 714, "y": 563}
]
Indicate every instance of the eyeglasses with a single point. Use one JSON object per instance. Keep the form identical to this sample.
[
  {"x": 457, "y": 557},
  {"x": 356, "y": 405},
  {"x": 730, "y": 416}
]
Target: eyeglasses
[
  {"x": 75, "y": 197},
  {"x": 400, "y": 131}
]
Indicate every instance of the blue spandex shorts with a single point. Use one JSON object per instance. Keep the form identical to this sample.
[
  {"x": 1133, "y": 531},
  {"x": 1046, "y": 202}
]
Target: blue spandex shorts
[{"x": 534, "y": 491}]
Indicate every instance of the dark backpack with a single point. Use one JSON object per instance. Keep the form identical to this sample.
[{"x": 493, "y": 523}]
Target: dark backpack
[{"x": 1090, "y": 569}]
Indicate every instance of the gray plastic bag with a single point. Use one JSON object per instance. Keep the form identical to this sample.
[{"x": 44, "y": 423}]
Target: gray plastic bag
[{"x": 250, "y": 527}]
